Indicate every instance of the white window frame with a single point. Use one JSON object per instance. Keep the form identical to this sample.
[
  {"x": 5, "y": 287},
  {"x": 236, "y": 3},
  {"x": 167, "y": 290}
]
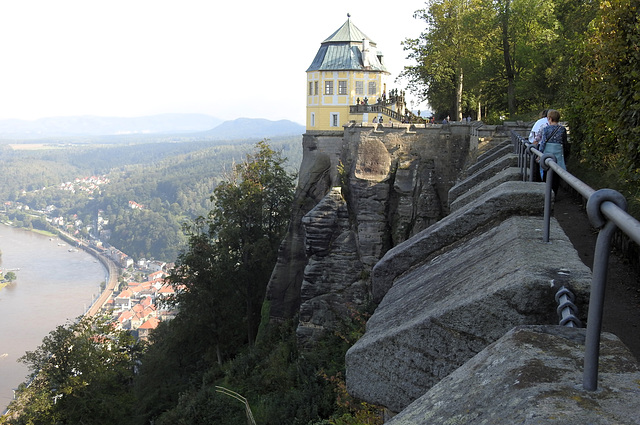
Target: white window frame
[
  {"x": 359, "y": 88},
  {"x": 342, "y": 87},
  {"x": 328, "y": 87},
  {"x": 373, "y": 88},
  {"x": 335, "y": 119}
]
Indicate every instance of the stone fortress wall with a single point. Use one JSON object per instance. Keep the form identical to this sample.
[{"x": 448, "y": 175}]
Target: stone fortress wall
[{"x": 435, "y": 227}]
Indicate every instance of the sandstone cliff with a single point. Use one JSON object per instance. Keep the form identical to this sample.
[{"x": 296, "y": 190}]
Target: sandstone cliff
[{"x": 360, "y": 194}]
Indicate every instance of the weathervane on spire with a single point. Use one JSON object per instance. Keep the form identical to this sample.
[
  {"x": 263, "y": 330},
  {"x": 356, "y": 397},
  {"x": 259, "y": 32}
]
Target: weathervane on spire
[{"x": 348, "y": 15}]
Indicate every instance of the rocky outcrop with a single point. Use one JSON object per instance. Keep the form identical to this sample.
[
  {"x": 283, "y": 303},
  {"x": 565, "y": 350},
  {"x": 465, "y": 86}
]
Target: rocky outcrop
[
  {"x": 318, "y": 174},
  {"x": 333, "y": 264},
  {"x": 393, "y": 183},
  {"x": 452, "y": 250}
]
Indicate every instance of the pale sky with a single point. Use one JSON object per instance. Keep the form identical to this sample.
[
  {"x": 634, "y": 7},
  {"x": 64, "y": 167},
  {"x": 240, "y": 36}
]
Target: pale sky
[{"x": 227, "y": 59}]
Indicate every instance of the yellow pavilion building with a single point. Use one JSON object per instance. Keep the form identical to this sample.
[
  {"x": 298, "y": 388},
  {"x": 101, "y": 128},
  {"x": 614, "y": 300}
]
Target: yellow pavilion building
[{"x": 346, "y": 82}]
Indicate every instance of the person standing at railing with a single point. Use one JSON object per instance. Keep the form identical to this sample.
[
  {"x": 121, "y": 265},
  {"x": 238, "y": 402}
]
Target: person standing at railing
[
  {"x": 554, "y": 138},
  {"x": 534, "y": 137},
  {"x": 536, "y": 130}
]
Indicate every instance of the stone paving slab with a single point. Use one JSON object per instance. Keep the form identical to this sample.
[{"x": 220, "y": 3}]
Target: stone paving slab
[{"x": 533, "y": 376}]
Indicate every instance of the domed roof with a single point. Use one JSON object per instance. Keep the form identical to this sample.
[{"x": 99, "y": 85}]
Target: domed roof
[{"x": 348, "y": 48}]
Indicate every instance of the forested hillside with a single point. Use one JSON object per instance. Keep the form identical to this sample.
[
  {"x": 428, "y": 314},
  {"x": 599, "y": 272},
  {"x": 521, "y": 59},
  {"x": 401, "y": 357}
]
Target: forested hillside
[
  {"x": 221, "y": 337},
  {"x": 171, "y": 182}
]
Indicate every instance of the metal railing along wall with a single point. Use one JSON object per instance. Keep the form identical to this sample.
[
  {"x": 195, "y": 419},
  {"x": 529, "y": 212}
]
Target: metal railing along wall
[{"x": 606, "y": 209}]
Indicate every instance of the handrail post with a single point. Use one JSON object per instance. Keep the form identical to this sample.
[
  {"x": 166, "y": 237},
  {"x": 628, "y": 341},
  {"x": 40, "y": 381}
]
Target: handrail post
[
  {"x": 532, "y": 159},
  {"x": 524, "y": 164},
  {"x": 547, "y": 194},
  {"x": 598, "y": 281}
]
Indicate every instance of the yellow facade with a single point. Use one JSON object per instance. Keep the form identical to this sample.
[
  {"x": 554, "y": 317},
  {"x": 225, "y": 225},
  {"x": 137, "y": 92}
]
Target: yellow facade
[
  {"x": 347, "y": 70},
  {"x": 330, "y": 93}
]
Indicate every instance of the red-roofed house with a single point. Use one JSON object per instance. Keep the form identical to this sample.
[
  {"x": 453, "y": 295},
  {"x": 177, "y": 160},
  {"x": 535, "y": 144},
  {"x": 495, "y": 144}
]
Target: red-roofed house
[
  {"x": 124, "y": 319},
  {"x": 157, "y": 275},
  {"x": 165, "y": 291},
  {"x": 123, "y": 300},
  {"x": 147, "y": 327}
]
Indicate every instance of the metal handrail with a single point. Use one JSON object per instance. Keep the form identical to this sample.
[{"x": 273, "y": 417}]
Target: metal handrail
[{"x": 606, "y": 209}]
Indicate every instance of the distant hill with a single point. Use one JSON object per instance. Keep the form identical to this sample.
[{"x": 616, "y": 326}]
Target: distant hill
[
  {"x": 105, "y": 126},
  {"x": 248, "y": 128},
  {"x": 186, "y": 126}
]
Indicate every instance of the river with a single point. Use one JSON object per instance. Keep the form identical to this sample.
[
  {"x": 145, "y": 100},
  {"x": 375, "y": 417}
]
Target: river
[{"x": 53, "y": 286}]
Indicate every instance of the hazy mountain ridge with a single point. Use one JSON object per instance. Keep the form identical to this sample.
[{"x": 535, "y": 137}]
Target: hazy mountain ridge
[
  {"x": 247, "y": 128},
  {"x": 89, "y": 125},
  {"x": 196, "y": 124}
]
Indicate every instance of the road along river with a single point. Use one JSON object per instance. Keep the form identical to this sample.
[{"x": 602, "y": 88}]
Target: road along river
[{"x": 55, "y": 283}]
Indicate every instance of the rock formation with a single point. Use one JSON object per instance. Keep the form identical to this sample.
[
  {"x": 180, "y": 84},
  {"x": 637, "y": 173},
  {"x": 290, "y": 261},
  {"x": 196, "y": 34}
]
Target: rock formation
[{"x": 360, "y": 193}]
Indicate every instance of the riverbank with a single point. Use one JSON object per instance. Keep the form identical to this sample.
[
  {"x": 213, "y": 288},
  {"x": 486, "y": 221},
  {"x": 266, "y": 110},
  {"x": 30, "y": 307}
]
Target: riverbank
[
  {"x": 54, "y": 286},
  {"x": 112, "y": 270}
]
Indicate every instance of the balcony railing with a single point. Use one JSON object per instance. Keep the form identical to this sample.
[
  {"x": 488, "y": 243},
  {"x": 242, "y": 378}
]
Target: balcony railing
[{"x": 376, "y": 109}]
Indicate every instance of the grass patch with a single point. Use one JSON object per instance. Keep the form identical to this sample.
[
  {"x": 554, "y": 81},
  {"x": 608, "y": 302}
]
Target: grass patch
[{"x": 44, "y": 232}]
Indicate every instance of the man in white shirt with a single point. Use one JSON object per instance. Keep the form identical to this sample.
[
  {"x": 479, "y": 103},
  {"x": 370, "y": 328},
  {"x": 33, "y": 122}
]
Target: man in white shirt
[
  {"x": 537, "y": 128},
  {"x": 534, "y": 137}
]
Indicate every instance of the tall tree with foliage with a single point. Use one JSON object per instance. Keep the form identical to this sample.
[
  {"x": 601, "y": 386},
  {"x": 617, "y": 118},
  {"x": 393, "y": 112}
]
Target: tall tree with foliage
[
  {"x": 606, "y": 109},
  {"x": 220, "y": 281},
  {"x": 499, "y": 49},
  {"x": 81, "y": 374},
  {"x": 249, "y": 220},
  {"x": 445, "y": 53},
  {"x": 524, "y": 39},
  {"x": 222, "y": 277}
]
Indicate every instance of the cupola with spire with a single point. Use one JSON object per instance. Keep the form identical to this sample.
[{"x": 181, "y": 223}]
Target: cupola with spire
[{"x": 347, "y": 71}]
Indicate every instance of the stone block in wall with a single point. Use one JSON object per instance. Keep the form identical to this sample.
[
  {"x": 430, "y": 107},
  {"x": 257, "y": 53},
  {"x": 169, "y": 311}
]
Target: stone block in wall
[
  {"x": 504, "y": 148},
  {"x": 446, "y": 309},
  {"x": 499, "y": 203},
  {"x": 508, "y": 174},
  {"x": 533, "y": 375},
  {"x": 505, "y": 161}
]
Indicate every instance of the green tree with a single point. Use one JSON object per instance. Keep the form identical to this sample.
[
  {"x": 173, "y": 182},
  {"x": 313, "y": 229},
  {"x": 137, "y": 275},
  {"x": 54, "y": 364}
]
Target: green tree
[
  {"x": 249, "y": 220},
  {"x": 232, "y": 251},
  {"x": 499, "y": 49},
  {"x": 448, "y": 51},
  {"x": 82, "y": 373},
  {"x": 220, "y": 280},
  {"x": 606, "y": 108},
  {"x": 10, "y": 276}
]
